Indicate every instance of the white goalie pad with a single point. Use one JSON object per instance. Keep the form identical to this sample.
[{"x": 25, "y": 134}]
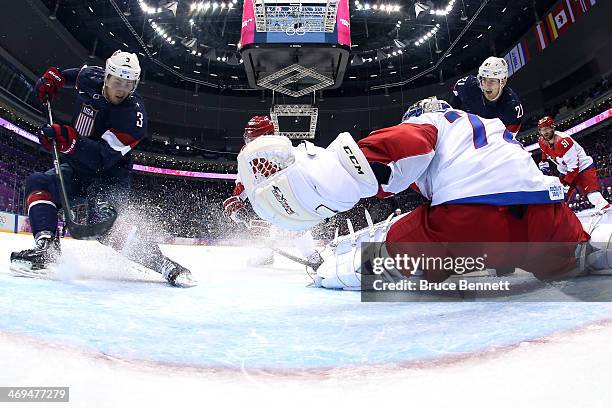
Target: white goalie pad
[
  {"x": 594, "y": 257},
  {"x": 341, "y": 268},
  {"x": 275, "y": 201}
]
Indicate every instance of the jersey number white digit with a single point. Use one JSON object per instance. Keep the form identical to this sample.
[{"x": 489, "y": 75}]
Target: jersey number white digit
[
  {"x": 519, "y": 111},
  {"x": 462, "y": 81},
  {"x": 139, "y": 119},
  {"x": 479, "y": 132},
  {"x": 564, "y": 143}
]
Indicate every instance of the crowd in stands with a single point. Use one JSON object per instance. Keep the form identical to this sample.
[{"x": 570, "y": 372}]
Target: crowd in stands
[
  {"x": 570, "y": 104},
  {"x": 183, "y": 163},
  {"x": 17, "y": 160},
  {"x": 180, "y": 206},
  {"x": 192, "y": 207},
  {"x": 579, "y": 202}
]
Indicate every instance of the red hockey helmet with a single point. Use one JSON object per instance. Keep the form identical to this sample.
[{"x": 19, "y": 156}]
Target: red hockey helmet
[
  {"x": 258, "y": 126},
  {"x": 546, "y": 122},
  {"x": 546, "y": 128}
]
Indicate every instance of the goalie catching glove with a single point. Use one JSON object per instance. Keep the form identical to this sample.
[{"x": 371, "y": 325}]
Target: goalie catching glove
[{"x": 297, "y": 187}]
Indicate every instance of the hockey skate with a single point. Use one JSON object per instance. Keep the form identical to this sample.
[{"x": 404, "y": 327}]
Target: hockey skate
[
  {"x": 603, "y": 208},
  {"x": 35, "y": 262},
  {"x": 174, "y": 273},
  {"x": 315, "y": 260}
]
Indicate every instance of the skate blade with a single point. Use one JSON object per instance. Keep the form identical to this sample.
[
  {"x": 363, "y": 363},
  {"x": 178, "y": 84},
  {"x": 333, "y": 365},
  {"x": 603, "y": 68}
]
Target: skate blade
[
  {"x": 182, "y": 281},
  {"x": 24, "y": 270}
]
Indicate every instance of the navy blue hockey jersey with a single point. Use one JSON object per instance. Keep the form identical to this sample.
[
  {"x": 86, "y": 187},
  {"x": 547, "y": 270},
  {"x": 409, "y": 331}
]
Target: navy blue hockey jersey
[
  {"x": 107, "y": 132},
  {"x": 468, "y": 97}
]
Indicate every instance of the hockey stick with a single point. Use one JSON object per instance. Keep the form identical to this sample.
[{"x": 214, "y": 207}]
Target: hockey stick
[
  {"x": 77, "y": 231},
  {"x": 297, "y": 259}
]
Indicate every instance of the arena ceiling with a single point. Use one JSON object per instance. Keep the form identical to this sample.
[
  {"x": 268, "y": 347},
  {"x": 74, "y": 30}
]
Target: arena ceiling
[{"x": 182, "y": 41}]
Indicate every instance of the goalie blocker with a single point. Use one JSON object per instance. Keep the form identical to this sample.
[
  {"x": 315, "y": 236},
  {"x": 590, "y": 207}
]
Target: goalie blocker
[{"x": 295, "y": 188}]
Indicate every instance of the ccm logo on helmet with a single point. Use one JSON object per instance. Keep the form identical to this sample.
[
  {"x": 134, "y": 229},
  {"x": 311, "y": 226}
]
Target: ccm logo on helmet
[
  {"x": 278, "y": 194},
  {"x": 353, "y": 159}
]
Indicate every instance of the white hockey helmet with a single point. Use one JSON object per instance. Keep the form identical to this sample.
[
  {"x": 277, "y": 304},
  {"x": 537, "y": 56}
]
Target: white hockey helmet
[
  {"x": 496, "y": 68},
  {"x": 431, "y": 104},
  {"x": 493, "y": 67},
  {"x": 123, "y": 65}
]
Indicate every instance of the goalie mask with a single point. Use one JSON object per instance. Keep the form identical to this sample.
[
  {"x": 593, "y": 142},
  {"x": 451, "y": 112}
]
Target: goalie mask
[{"x": 427, "y": 105}]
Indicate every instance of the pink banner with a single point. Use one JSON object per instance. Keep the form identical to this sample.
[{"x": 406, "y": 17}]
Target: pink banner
[
  {"x": 590, "y": 122},
  {"x": 343, "y": 23},
  {"x": 247, "y": 33},
  {"x": 16, "y": 129},
  {"x": 183, "y": 173}
]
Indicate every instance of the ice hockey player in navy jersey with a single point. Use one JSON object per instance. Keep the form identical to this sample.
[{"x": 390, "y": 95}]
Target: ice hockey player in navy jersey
[
  {"x": 108, "y": 121},
  {"x": 488, "y": 96}
]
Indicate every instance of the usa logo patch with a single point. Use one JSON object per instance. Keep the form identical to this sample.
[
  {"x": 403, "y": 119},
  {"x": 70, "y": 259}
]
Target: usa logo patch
[{"x": 84, "y": 124}]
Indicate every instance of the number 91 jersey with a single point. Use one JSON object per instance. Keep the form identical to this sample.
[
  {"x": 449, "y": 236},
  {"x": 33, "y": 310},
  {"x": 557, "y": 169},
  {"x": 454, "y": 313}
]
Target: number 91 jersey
[{"x": 455, "y": 157}]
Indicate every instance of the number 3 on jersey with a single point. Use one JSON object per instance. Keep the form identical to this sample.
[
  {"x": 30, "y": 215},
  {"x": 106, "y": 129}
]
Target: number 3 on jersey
[
  {"x": 479, "y": 132},
  {"x": 139, "y": 119}
]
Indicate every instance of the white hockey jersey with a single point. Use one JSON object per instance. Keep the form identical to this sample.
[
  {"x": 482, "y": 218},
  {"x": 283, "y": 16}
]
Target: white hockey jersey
[
  {"x": 567, "y": 154},
  {"x": 456, "y": 157}
]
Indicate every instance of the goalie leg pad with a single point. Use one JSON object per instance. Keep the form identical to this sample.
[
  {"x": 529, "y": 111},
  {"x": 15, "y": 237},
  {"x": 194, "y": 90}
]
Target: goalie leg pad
[
  {"x": 595, "y": 255},
  {"x": 344, "y": 271},
  {"x": 276, "y": 201},
  {"x": 341, "y": 268}
]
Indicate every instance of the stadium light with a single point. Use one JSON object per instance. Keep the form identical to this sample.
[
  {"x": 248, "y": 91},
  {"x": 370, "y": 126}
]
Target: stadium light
[
  {"x": 445, "y": 11},
  {"x": 427, "y": 35}
]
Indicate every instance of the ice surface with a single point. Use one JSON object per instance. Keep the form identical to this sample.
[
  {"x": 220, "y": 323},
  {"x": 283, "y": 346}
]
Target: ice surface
[
  {"x": 249, "y": 320},
  {"x": 260, "y": 318}
]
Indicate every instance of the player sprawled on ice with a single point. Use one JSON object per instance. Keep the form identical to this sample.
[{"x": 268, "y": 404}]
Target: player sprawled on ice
[
  {"x": 260, "y": 230},
  {"x": 482, "y": 186},
  {"x": 109, "y": 120},
  {"x": 488, "y": 96},
  {"x": 576, "y": 167}
]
